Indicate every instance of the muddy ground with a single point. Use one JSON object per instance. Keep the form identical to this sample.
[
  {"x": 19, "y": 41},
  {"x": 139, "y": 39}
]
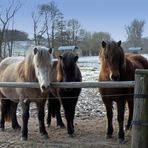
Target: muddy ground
[{"x": 89, "y": 133}]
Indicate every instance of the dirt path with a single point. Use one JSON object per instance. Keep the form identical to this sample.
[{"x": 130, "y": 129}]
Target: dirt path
[{"x": 90, "y": 133}]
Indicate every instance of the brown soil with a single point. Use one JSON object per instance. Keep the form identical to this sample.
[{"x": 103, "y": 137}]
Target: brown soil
[{"x": 89, "y": 133}]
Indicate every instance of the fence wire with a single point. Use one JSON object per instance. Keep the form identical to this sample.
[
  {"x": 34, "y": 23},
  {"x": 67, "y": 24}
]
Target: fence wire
[{"x": 89, "y": 105}]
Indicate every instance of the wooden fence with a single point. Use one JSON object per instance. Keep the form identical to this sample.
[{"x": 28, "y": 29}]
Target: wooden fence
[
  {"x": 105, "y": 84},
  {"x": 140, "y": 116}
]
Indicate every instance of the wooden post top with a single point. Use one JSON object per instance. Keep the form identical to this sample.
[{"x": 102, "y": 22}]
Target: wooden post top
[{"x": 141, "y": 71}]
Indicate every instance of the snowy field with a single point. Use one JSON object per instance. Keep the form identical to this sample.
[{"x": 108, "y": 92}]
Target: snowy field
[{"x": 89, "y": 67}]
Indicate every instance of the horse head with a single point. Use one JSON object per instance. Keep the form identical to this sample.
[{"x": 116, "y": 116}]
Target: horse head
[
  {"x": 42, "y": 61},
  {"x": 112, "y": 56},
  {"x": 67, "y": 68}
]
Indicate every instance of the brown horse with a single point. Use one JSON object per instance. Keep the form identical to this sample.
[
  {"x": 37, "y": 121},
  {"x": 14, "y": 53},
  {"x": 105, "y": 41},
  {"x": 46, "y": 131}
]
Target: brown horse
[
  {"x": 65, "y": 70},
  {"x": 35, "y": 67},
  {"x": 117, "y": 66}
]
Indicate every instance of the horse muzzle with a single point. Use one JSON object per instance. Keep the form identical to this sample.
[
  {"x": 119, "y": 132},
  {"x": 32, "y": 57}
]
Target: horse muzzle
[
  {"x": 115, "y": 77},
  {"x": 45, "y": 88}
]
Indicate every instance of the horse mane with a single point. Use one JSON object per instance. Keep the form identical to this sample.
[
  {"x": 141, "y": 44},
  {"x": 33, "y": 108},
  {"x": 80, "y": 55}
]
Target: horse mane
[
  {"x": 25, "y": 69},
  {"x": 59, "y": 76}
]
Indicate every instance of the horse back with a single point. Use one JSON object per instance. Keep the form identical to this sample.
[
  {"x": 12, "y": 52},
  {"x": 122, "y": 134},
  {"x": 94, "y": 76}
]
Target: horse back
[
  {"x": 133, "y": 62},
  {"x": 138, "y": 61},
  {"x": 8, "y": 73},
  {"x": 8, "y": 62},
  {"x": 8, "y": 68}
]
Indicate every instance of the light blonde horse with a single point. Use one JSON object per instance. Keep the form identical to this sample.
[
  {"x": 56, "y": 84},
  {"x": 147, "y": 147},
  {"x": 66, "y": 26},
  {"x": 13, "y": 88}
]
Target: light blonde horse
[{"x": 35, "y": 67}]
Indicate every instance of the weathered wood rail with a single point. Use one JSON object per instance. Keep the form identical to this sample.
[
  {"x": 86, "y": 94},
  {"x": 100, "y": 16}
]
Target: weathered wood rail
[
  {"x": 140, "y": 117},
  {"x": 105, "y": 84}
]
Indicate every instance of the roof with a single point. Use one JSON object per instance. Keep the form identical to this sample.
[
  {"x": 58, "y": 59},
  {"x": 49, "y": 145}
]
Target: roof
[
  {"x": 135, "y": 48},
  {"x": 68, "y": 48}
]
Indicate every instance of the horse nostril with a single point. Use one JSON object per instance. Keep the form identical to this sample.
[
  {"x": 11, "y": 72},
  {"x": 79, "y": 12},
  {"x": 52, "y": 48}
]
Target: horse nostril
[
  {"x": 48, "y": 86},
  {"x": 43, "y": 87},
  {"x": 115, "y": 77}
]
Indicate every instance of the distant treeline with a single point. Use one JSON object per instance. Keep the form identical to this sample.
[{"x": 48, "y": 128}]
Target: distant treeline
[{"x": 15, "y": 35}]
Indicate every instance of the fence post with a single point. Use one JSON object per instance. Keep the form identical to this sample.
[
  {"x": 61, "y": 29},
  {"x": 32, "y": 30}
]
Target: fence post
[{"x": 140, "y": 116}]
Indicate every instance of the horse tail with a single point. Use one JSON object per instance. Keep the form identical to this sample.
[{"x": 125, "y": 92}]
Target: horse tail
[{"x": 6, "y": 109}]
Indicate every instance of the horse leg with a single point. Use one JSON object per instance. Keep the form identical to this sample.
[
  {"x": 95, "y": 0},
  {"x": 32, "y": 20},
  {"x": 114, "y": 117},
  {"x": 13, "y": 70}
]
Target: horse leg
[
  {"x": 3, "y": 112},
  {"x": 58, "y": 114},
  {"x": 73, "y": 106},
  {"x": 15, "y": 124},
  {"x": 109, "y": 110},
  {"x": 120, "y": 117},
  {"x": 68, "y": 109},
  {"x": 41, "y": 114},
  {"x": 130, "y": 107},
  {"x": 49, "y": 113},
  {"x": 25, "y": 118}
]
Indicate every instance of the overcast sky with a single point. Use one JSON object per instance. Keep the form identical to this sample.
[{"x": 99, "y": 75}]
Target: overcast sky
[{"x": 94, "y": 15}]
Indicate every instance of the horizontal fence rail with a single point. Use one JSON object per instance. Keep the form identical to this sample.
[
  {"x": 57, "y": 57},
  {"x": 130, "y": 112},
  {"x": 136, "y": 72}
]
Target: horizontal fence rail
[{"x": 102, "y": 84}]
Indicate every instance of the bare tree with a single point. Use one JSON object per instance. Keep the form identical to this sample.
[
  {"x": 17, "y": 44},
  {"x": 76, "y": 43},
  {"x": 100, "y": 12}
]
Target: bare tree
[
  {"x": 39, "y": 30},
  {"x": 134, "y": 32},
  {"x": 61, "y": 35},
  {"x": 50, "y": 13},
  {"x": 5, "y": 18},
  {"x": 73, "y": 31}
]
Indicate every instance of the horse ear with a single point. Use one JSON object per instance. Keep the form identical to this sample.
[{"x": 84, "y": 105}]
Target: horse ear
[
  {"x": 35, "y": 50},
  {"x": 103, "y": 44},
  {"x": 76, "y": 58},
  {"x": 119, "y": 43},
  {"x": 50, "y": 50}
]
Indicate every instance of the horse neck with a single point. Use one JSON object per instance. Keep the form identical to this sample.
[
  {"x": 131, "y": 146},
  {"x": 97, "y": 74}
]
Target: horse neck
[
  {"x": 29, "y": 69},
  {"x": 26, "y": 69},
  {"x": 127, "y": 71},
  {"x": 78, "y": 72}
]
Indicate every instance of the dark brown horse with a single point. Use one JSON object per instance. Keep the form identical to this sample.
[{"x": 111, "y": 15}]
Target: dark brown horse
[
  {"x": 65, "y": 70},
  {"x": 117, "y": 66}
]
